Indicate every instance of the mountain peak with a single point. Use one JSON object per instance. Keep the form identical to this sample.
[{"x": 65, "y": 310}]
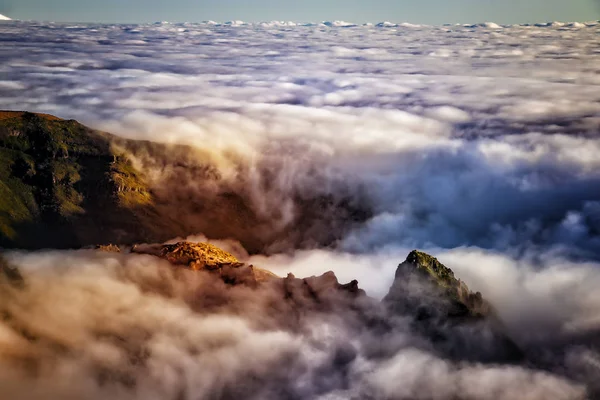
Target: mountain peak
[
  {"x": 421, "y": 271},
  {"x": 428, "y": 292},
  {"x": 430, "y": 265},
  {"x": 4, "y": 18}
]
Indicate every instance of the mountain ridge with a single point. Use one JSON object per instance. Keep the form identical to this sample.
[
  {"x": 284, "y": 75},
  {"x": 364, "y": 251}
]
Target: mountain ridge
[{"x": 65, "y": 185}]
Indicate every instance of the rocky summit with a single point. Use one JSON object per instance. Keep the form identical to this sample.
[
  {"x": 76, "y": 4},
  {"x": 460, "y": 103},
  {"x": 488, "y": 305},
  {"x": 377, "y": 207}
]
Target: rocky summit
[
  {"x": 443, "y": 307},
  {"x": 423, "y": 287},
  {"x": 422, "y": 271},
  {"x": 426, "y": 292}
]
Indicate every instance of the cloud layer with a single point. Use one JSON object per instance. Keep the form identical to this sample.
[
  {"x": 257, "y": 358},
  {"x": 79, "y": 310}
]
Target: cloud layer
[
  {"x": 95, "y": 325},
  {"x": 446, "y": 136},
  {"x": 476, "y": 143}
]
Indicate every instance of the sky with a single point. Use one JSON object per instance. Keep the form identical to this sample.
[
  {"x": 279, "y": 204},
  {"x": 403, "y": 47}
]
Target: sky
[{"x": 416, "y": 11}]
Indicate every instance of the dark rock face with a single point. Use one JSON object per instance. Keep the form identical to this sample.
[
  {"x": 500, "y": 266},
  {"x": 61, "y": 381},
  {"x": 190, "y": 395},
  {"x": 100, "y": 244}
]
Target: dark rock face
[
  {"x": 421, "y": 274},
  {"x": 461, "y": 323}
]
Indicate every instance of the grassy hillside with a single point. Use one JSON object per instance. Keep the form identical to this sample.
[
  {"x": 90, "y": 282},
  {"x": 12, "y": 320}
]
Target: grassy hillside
[{"x": 64, "y": 185}]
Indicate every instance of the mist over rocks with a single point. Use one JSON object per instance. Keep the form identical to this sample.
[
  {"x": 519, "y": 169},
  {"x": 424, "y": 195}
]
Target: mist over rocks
[
  {"x": 134, "y": 325},
  {"x": 65, "y": 185},
  {"x": 460, "y": 322}
]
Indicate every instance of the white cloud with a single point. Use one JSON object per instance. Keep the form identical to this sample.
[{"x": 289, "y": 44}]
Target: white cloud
[{"x": 494, "y": 146}]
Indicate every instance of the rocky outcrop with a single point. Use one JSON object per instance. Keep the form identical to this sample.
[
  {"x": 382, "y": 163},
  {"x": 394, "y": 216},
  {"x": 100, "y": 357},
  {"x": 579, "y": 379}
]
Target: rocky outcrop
[
  {"x": 306, "y": 293},
  {"x": 207, "y": 257},
  {"x": 108, "y": 248},
  {"x": 460, "y": 322},
  {"x": 422, "y": 275},
  {"x": 195, "y": 256}
]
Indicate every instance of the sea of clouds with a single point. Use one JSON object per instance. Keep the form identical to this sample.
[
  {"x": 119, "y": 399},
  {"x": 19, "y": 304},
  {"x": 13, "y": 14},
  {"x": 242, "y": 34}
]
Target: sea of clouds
[{"x": 479, "y": 144}]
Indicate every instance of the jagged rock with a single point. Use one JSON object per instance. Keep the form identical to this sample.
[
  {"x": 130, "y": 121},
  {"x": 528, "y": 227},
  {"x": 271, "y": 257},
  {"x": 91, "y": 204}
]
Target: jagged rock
[
  {"x": 109, "y": 248},
  {"x": 422, "y": 274},
  {"x": 461, "y": 323},
  {"x": 205, "y": 256},
  {"x": 322, "y": 292}
]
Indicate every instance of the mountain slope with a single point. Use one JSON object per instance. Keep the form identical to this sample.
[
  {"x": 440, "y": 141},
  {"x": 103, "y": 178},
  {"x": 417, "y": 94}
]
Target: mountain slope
[{"x": 65, "y": 185}]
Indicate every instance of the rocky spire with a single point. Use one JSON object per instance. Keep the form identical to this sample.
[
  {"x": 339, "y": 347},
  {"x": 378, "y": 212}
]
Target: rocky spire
[{"x": 421, "y": 274}]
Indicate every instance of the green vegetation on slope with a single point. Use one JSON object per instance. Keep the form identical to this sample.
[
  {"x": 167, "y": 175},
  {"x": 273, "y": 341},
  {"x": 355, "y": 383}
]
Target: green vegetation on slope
[
  {"x": 130, "y": 186},
  {"x": 54, "y": 173},
  {"x": 17, "y": 201},
  {"x": 435, "y": 269}
]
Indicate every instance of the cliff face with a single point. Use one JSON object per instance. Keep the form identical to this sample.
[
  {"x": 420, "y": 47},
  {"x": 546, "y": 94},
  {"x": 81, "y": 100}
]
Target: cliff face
[{"x": 64, "y": 185}]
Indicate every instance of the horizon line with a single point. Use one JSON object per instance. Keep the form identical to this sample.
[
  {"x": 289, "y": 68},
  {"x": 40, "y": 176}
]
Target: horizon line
[{"x": 325, "y": 23}]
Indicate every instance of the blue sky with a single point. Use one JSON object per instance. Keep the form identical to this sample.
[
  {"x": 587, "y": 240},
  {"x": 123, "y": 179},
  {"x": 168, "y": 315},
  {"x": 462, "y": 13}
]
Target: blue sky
[{"x": 418, "y": 11}]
